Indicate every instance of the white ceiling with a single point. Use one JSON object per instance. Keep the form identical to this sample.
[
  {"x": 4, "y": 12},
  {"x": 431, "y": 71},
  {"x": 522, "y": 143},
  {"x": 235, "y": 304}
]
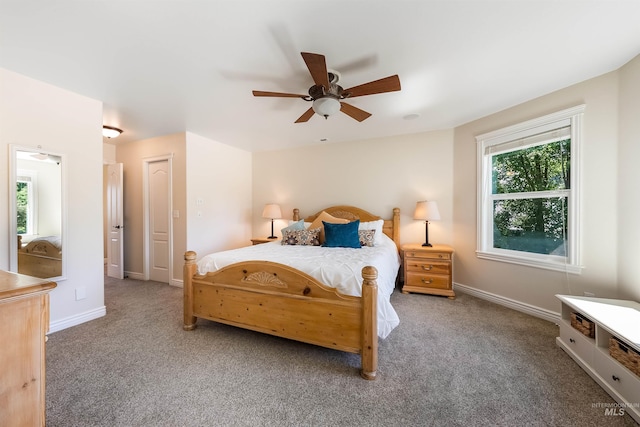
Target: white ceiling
[{"x": 162, "y": 67}]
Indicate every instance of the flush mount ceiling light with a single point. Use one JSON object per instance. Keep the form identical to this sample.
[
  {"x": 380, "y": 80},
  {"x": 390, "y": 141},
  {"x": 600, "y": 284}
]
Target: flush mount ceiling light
[{"x": 110, "y": 132}]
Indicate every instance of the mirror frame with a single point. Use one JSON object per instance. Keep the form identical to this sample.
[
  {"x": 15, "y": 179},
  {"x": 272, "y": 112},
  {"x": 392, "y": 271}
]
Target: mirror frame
[{"x": 13, "y": 220}]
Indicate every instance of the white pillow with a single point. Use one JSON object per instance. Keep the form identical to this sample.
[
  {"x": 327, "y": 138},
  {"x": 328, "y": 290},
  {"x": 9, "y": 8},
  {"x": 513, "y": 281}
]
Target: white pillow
[
  {"x": 374, "y": 225},
  {"x": 306, "y": 224}
]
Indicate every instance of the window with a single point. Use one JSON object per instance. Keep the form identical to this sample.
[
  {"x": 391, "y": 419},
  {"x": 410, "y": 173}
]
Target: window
[
  {"x": 26, "y": 188},
  {"x": 528, "y": 192}
]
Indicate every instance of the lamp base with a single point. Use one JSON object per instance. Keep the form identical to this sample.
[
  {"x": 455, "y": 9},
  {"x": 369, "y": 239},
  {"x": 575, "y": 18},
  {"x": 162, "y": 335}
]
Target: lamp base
[
  {"x": 427, "y": 244},
  {"x": 272, "y": 237}
]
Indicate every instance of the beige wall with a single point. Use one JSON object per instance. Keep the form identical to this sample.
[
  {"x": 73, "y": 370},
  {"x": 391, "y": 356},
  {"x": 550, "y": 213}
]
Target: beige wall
[
  {"x": 132, "y": 156},
  {"x": 376, "y": 175},
  {"x": 35, "y": 114},
  {"x": 628, "y": 179},
  {"x": 531, "y": 286},
  {"x": 219, "y": 176}
]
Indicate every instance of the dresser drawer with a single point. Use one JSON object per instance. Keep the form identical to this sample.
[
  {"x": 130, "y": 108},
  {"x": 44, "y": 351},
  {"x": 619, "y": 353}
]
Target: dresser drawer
[
  {"x": 428, "y": 255},
  {"x": 617, "y": 376},
  {"x": 421, "y": 266},
  {"x": 426, "y": 281},
  {"x": 581, "y": 345}
]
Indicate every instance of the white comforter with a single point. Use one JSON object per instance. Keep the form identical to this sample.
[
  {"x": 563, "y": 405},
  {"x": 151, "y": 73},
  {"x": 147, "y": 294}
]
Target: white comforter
[{"x": 340, "y": 268}]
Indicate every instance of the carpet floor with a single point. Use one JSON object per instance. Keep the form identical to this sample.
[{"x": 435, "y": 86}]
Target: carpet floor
[{"x": 462, "y": 362}]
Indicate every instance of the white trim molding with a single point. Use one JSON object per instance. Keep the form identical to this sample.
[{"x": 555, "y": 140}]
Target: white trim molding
[
  {"x": 77, "y": 319},
  {"x": 565, "y": 124},
  {"x": 532, "y": 310}
]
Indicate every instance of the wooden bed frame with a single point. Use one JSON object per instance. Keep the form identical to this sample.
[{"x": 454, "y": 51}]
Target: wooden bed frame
[
  {"x": 39, "y": 259},
  {"x": 279, "y": 300}
]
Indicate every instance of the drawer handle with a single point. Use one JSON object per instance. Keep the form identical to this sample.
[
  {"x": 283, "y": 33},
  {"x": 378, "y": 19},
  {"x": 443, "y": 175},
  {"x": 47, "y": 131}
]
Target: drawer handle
[
  {"x": 615, "y": 378},
  {"x": 572, "y": 340},
  {"x": 427, "y": 282},
  {"x": 424, "y": 267},
  {"x": 440, "y": 255}
]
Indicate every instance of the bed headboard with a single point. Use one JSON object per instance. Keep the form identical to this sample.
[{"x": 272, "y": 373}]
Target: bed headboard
[{"x": 391, "y": 227}]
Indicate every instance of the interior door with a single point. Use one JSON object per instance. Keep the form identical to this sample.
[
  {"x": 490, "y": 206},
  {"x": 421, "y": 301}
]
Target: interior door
[
  {"x": 159, "y": 220},
  {"x": 115, "y": 223}
]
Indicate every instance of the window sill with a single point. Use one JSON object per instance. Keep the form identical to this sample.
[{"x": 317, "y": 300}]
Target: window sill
[{"x": 530, "y": 262}]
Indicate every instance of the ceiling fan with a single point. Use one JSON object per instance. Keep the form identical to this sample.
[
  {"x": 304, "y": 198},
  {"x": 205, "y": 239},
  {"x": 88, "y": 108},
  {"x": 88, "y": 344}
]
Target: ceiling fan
[{"x": 327, "y": 96}]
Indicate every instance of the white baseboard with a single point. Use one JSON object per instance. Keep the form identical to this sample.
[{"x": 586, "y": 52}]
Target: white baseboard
[
  {"x": 77, "y": 319},
  {"x": 510, "y": 303},
  {"x": 140, "y": 276},
  {"x": 132, "y": 275}
]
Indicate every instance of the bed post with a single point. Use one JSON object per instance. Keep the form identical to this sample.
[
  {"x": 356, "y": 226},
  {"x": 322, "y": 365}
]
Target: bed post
[
  {"x": 369, "y": 323},
  {"x": 396, "y": 226},
  {"x": 296, "y": 214},
  {"x": 189, "y": 270}
]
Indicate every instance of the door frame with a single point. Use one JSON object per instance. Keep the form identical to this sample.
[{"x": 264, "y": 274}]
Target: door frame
[{"x": 146, "y": 210}]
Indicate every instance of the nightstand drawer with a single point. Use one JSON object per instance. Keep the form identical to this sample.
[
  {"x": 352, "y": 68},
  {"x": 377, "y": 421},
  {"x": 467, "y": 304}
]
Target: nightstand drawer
[
  {"x": 427, "y": 269},
  {"x": 421, "y": 266},
  {"x": 426, "y": 281},
  {"x": 428, "y": 255}
]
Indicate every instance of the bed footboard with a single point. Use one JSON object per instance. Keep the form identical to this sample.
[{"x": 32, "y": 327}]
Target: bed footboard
[{"x": 279, "y": 300}]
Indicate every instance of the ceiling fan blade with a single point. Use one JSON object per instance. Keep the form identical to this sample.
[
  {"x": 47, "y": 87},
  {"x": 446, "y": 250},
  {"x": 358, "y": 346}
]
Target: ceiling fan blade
[
  {"x": 388, "y": 84},
  {"x": 354, "y": 112},
  {"x": 317, "y": 66},
  {"x": 306, "y": 116},
  {"x": 278, "y": 94}
]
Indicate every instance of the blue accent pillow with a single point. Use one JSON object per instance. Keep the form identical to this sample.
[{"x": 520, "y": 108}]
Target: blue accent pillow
[{"x": 341, "y": 235}]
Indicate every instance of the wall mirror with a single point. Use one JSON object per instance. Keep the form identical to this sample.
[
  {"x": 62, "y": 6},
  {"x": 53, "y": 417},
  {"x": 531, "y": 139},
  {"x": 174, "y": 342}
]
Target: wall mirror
[{"x": 37, "y": 212}]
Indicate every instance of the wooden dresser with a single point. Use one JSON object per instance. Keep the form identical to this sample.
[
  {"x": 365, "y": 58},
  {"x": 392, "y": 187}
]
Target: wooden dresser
[
  {"x": 428, "y": 269},
  {"x": 24, "y": 321}
]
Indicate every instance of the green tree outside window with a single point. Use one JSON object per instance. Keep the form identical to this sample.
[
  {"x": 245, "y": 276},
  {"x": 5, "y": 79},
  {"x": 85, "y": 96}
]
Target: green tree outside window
[
  {"x": 536, "y": 223},
  {"x": 22, "y": 202}
]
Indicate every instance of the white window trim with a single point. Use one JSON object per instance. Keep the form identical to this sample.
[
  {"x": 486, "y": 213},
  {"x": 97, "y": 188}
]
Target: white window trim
[
  {"x": 31, "y": 178},
  {"x": 572, "y": 263}
]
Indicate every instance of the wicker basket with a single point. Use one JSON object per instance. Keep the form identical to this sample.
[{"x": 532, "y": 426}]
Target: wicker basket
[
  {"x": 584, "y": 325},
  {"x": 629, "y": 357}
]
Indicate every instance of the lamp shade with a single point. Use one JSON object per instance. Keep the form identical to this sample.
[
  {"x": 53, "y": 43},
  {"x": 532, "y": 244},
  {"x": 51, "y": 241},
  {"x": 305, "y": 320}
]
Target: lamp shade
[
  {"x": 272, "y": 211},
  {"x": 426, "y": 211}
]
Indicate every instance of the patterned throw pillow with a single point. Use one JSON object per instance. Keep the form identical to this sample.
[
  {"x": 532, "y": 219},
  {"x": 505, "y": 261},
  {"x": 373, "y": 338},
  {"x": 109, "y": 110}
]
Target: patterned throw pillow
[
  {"x": 309, "y": 237},
  {"x": 367, "y": 237}
]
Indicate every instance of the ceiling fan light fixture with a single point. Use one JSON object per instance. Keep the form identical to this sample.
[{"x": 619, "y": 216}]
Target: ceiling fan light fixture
[
  {"x": 327, "y": 95},
  {"x": 110, "y": 132},
  {"x": 326, "y": 106}
]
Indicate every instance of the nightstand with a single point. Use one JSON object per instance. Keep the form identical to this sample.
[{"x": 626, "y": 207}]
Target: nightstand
[
  {"x": 259, "y": 240},
  {"x": 428, "y": 269}
]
